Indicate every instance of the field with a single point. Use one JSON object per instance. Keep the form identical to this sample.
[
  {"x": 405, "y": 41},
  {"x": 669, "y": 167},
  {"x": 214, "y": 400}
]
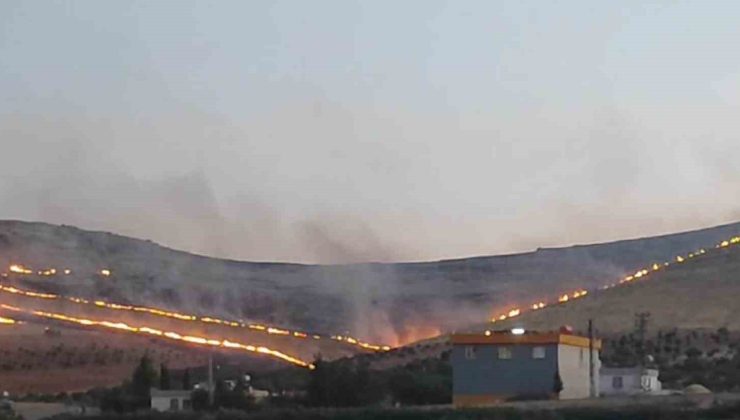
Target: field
[
  {"x": 34, "y": 359},
  {"x": 698, "y": 294}
]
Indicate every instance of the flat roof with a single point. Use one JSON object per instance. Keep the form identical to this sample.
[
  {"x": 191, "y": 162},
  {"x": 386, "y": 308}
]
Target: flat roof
[{"x": 527, "y": 338}]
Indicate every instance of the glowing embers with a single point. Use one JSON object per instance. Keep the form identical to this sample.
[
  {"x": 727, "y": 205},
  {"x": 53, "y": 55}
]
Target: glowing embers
[
  {"x": 11, "y": 289},
  {"x": 510, "y": 314},
  {"x": 193, "y": 318},
  {"x": 642, "y": 273},
  {"x": 359, "y": 343},
  {"x": 579, "y": 294},
  {"x": 574, "y": 295},
  {"x": 121, "y": 326},
  {"x": 732, "y": 241},
  {"x": 19, "y": 269},
  {"x": 514, "y": 312}
]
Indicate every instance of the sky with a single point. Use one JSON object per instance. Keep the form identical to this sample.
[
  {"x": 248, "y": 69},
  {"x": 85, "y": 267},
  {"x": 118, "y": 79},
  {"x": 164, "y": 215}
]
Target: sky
[{"x": 345, "y": 131}]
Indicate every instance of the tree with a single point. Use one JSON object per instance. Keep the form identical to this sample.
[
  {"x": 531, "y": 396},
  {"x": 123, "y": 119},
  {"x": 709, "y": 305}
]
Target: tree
[
  {"x": 340, "y": 384},
  {"x": 641, "y": 326},
  {"x": 236, "y": 398},
  {"x": 557, "y": 386},
  {"x": 723, "y": 335},
  {"x": 186, "y": 380},
  {"x": 426, "y": 382},
  {"x": 164, "y": 377},
  {"x": 144, "y": 378},
  {"x": 199, "y": 399},
  {"x": 318, "y": 385}
]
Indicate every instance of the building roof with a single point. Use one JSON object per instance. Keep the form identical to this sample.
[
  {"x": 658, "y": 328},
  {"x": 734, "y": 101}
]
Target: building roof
[{"x": 527, "y": 338}]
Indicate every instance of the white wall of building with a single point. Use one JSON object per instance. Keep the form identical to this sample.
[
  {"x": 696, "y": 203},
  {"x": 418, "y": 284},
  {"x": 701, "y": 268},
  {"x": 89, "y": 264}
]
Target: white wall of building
[
  {"x": 574, "y": 371},
  {"x": 629, "y": 381},
  {"x": 165, "y": 403}
]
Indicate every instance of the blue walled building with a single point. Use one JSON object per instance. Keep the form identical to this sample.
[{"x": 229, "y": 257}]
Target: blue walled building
[{"x": 494, "y": 367}]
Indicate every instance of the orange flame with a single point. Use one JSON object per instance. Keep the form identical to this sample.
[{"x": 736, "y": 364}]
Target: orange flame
[
  {"x": 167, "y": 334},
  {"x": 187, "y": 317},
  {"x": 639, "y": 274},
  {"x": 19, "y": 269}
]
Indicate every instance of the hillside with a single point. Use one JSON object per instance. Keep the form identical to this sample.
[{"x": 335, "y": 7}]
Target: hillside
[
  {"x": 701, "y": 293},
  {"x": 689, "y": 301},
  {"x": 389, "y": 303},
  {"x": 35, "y": 359}
]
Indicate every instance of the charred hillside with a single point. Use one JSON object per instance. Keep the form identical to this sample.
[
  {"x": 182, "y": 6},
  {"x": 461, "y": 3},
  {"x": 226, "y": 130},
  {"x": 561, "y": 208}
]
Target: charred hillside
[{"x": 383, "y": 302}]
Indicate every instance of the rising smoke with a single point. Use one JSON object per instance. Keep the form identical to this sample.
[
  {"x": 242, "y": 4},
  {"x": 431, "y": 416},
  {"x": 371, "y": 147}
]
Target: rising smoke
[{"x": 171, "y": 187}]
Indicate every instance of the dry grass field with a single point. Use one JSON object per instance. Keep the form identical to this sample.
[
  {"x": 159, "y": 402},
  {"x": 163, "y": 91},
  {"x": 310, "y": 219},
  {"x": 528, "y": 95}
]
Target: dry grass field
[
  {"x": 702, "y": 293},
  {"x": 33, "y": 360}
]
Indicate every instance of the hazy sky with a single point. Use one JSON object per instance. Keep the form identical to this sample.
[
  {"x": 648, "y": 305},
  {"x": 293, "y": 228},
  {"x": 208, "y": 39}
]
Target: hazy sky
[{"x": 336, "y": 131}]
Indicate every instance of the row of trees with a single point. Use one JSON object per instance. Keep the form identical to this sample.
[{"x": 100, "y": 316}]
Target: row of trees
[
  {"x": 342, "y": 383},
  {"x": 711, "y": 358},
  {"x": 348, "y": 383},
  {"x": 135, "y": 394}
]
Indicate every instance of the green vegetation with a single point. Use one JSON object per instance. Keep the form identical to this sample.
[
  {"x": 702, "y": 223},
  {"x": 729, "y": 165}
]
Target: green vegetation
[
  {"x": 557, "y": 386},
  {"x": 133, "y": 395},
  {"x": 144, "y": 378},
  {"x": 235, "y": 398},
  {"x": 164, "y": 377},
  {"x": 349, "y": 383},
  {"x": 710, "y": 358}
]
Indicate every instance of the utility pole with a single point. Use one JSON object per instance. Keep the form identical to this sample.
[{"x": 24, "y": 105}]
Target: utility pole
[
  {"x": 211, "y": 390},
  {"x": 591, "y": 375},
  {"x": 641, "y": 326}
]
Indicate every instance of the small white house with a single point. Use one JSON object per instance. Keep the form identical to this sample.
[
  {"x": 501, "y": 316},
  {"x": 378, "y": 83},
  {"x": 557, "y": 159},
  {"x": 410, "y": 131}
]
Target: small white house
[
  {"x": 170, "y": 400},
  {"x": 629, "y": 381}
]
